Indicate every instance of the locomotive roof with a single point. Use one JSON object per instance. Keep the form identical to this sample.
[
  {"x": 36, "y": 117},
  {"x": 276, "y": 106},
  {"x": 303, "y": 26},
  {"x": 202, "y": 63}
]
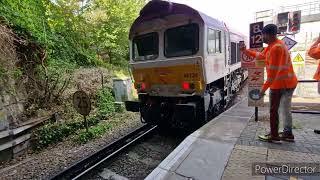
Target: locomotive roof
[{"x": 159, "y": 8}]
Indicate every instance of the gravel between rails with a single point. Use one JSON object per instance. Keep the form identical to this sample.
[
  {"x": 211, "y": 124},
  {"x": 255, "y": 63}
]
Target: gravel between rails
[{"x": 55, "y": 158}]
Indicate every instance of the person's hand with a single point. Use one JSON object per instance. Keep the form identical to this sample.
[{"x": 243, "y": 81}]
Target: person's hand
[
  {"x": 261, "y": 94},
  {"x": 242, "y": 46}
]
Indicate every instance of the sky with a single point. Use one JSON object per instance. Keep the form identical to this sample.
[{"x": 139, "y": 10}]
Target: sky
[{"x": 237, "y": 13}]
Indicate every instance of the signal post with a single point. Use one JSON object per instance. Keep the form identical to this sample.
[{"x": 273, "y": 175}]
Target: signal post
[{"x": 255, "y": 68}]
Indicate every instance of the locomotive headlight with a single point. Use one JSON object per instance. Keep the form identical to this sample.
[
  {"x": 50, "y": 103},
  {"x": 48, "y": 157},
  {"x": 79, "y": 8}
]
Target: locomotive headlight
[
  {"x": 186, "y": 86},
  {"x": 141, "y": 86},
  {"x": 191, "y": 86}
]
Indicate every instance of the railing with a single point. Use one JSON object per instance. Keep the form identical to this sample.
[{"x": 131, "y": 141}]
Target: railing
[
  {"x": 256, "y": 109},
  {"x": 306, "y": 111},
  {"x": 306, "y": 9}
]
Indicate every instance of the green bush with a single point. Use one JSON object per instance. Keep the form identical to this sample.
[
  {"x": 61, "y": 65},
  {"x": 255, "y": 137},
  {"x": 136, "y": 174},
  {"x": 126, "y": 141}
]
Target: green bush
[
  {"x": 94, "y": 132},
  {"x": 55, "y": 132},
  {"x": 105, "y": 102}
]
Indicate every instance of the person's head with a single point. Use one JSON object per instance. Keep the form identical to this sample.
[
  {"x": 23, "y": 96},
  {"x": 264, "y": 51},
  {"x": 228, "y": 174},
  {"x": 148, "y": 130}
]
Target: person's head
[{"x": 269, "y": 33}]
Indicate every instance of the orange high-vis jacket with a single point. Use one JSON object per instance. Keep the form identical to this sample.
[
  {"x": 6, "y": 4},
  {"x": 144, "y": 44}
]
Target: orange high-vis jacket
[
  {"x": 280, "y": 74},
  {"x": 314, "y": 52}
]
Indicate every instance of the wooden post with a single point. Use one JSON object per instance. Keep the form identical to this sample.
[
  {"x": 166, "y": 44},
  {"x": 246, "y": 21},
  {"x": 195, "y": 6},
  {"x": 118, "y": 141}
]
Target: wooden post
[
  {"x": 256, "y": 110},
  {"x": 86, "y": 123}
]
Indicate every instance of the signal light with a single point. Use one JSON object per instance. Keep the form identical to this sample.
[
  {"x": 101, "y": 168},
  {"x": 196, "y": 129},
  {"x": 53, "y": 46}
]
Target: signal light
[{"x": 295, "y": 21}]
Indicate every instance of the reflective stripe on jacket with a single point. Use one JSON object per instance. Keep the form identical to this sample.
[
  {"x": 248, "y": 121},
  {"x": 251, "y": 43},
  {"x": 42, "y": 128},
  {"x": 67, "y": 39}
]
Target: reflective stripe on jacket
[
  {"x": 314, "y": 52},
  {"x": 280, "y": 74}
]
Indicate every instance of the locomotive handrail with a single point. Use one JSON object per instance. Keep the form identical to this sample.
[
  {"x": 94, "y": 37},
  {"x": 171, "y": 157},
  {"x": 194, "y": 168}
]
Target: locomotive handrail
[{"x": 165, "y": 60}]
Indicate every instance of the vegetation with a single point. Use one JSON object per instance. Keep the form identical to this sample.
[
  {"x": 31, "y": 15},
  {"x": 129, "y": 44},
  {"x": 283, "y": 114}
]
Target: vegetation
[
  {"x": 93, "y": 132},
  {"x": 105, "y": 102},
  {"x": 44, "y": 41},
  {"x": 54, "y": 132},
  {"x": 84, "y": 32},
  {"x": 55, "y": 37},
  {"x": 101, "y": 128}
]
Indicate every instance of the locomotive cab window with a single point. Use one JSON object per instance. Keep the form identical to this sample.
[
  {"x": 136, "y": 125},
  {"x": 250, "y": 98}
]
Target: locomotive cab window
[
  {"x": 145, "y": 47},
  {"x": 181, "y": 41},
  {"x": 214, "y": 41}
]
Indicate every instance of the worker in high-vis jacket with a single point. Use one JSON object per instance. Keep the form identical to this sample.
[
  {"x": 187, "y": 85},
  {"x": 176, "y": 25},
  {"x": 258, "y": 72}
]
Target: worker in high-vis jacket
[
  {"x": 314, "y": 52},
  {"x": 281, "y": 80}
]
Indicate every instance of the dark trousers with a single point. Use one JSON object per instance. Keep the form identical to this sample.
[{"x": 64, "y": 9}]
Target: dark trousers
[{"x": 284, "y": 96}]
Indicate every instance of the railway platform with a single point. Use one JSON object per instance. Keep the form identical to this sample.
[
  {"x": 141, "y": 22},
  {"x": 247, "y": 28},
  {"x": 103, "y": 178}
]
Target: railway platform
[{"x": 226, "y": 147}]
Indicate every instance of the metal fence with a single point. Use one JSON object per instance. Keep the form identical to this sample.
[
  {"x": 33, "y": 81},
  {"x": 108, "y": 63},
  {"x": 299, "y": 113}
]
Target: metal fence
[{"x": 306, "y": 9}]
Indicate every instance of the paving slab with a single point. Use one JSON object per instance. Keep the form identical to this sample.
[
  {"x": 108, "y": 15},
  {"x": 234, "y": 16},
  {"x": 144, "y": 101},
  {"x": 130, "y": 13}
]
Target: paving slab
[
  {"x": 226, "y": 129},
  {"x": 160, "y": 173},
  {"x": 305, "y": 149},
  {"x": 207, "y": 161},
  {"x": 241, "y": 160}
]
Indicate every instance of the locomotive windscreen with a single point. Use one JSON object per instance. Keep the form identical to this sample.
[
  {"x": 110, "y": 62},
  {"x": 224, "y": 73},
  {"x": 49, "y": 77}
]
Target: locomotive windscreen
[
  {"x": 182, "y": 41},
  {"x": 146, "y": 47}
]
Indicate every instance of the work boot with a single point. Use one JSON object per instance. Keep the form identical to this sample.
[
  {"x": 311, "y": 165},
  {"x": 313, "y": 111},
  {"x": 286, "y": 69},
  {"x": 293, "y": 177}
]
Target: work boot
[
  {"x": 269, "y": 138},
  {"x": 286, "y": 136}
]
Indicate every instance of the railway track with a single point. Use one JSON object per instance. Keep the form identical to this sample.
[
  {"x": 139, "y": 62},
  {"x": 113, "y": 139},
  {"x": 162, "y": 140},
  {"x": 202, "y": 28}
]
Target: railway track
[
  {"x": 86, "y": 167},
  {"x": 88, "y": 164}
]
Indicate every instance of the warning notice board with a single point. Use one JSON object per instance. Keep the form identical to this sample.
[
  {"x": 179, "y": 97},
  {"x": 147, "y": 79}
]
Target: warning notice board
[
  {"x": 247, "y": 61},
  {"x": 255, "y": 82},
  {"x": 256, "y": 71},
  {"x": 251, "y": 62}
]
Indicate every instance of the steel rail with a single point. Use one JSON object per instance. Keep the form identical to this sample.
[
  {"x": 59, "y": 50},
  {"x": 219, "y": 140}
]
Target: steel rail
[{"x": 87, "y": 164}]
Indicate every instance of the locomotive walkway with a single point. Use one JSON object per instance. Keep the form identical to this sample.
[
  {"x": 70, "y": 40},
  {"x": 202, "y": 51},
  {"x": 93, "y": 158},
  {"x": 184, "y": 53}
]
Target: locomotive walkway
[{"x": 226, "y": 147}]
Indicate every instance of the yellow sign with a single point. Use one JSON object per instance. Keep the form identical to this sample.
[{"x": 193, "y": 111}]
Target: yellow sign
[{"x": 298, "y": 58}]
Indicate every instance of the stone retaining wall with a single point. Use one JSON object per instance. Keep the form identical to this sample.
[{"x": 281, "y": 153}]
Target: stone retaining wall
[{"x": 11, "y": 107}]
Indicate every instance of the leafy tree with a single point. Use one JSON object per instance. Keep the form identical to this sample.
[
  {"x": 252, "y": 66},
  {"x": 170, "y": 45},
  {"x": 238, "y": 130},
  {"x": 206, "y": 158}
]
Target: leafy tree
[{"x": 110, "y": 21}]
